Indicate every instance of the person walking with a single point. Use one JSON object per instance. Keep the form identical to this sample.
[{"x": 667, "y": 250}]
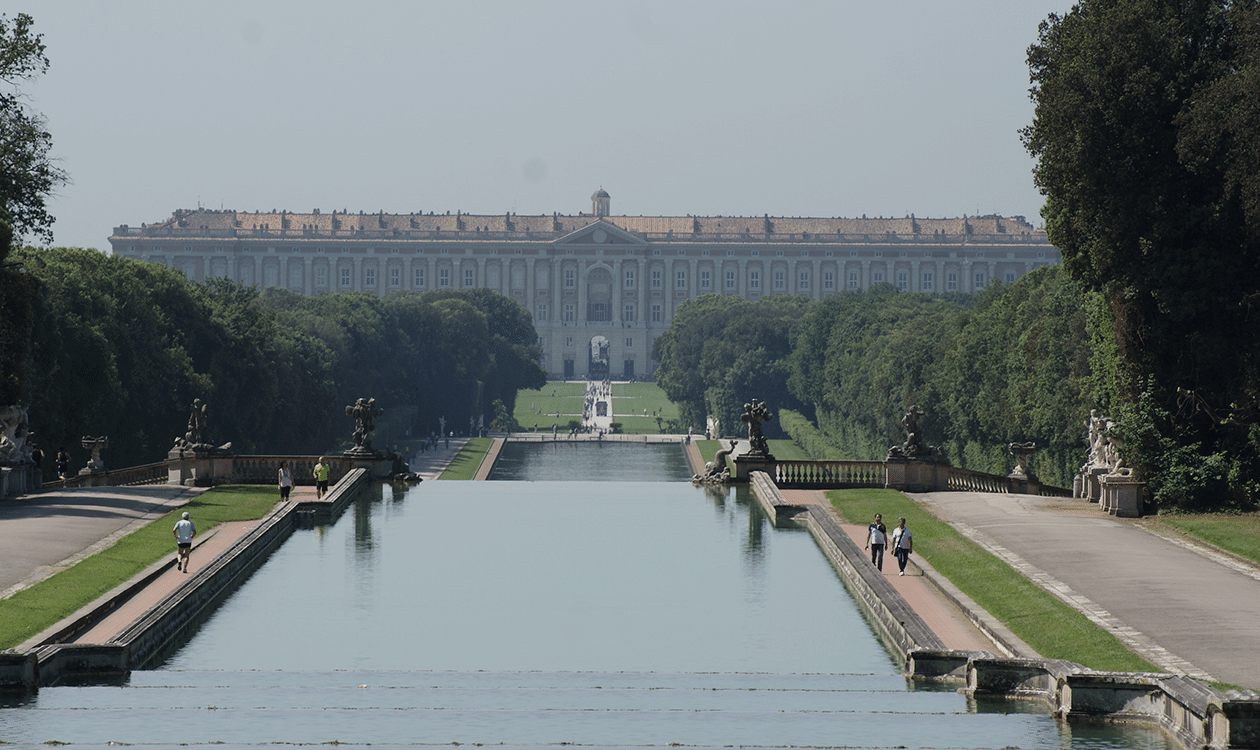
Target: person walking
[
  {"x": 63, "y": 464},
  {"x": 286, "y": 482},
  {"x": 184, "y": 532},
  {"x": 321, "y": 472},
  {"x": 903, "y": 545},
  {"x": 876, "y": 539}
]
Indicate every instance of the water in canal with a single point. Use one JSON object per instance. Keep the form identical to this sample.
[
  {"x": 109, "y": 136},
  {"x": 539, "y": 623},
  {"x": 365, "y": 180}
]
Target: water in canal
[{"x": 540, "y": 613}]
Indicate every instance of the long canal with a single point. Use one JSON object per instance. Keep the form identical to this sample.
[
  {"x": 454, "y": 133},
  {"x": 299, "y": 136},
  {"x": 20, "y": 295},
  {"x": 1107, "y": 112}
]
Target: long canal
[{"x": 531, "y": 612}]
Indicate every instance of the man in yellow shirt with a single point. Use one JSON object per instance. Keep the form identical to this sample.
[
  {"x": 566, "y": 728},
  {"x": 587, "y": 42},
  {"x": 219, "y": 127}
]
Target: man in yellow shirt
[{"x": 321, "y": 472}]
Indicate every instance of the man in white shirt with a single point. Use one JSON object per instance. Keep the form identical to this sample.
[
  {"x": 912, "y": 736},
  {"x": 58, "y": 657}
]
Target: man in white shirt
[
  {"x": 184, "y": 532},
  {"x": 902, "y": 544},
  {"x": 876, "y": 538}
]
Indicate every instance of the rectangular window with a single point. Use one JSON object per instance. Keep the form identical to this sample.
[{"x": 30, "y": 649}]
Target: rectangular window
[
  {"x": 417, "y": 278},
  {"x": 680, "y": 279},
  {"x": 928, "y": 281},
  {"x": 903, "y": 280},
  {"x": 780, "y": 280},
  {"x": 1010, "y": 277},
  {"x": 754, "y": 280},
  {"x": 627, "y": 313},
  {"x": 542, "y": 311},
  {"x": 345, "y": 278},
  {"x": 629, "y": 278},
  {"x": 470, "y": 277},
  {"x": 802, "y": 279},
  {"x": 444, "y": 277},
  {"x": 877, "y": 277},
  {"x": 829, "y": 280},
  {"x": 656, "y": 313},
  {"x": 395, "y": 278},
  {"x": 706, "y": 279},
  {"x": 980, "y": 281},
  {"x": 321, "y": 276},
  {"x": 730, "y": 279},
  {"x": 656, "y": 279},
  {"x": 853, "y": 279},
  {"x": 951, "y": 282},
  {"x": 568, "y": 341},
  {"x": 369, "y": 277},
  {"x": 568, "y": 312},
  {"x": 629, "y": 343},
  {"x": 570, "y": 278}
]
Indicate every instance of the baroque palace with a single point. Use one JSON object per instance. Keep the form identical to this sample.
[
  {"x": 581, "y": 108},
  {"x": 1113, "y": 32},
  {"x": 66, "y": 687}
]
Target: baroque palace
[{"x": 601, "y": 287}]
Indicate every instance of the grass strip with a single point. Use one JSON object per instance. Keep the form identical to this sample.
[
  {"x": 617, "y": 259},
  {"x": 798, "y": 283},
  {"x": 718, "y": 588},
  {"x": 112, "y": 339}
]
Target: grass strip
[
  {"x": 1052, "y": 628},
  {"x": 468, "y": 460},
  {"x": 784, "y": 450},
  {"x": 1237, "y": 533},
  {"x": 50, "y": 601}
]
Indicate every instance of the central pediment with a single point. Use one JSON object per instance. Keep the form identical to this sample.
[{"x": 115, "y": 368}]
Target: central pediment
[{"x": 600, "y": 233}]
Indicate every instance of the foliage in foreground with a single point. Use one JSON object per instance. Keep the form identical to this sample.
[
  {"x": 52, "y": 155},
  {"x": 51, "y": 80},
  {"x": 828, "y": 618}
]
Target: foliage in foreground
[
  {"x": 1146, "y": 117},
  {"x": 1049, "y": 626},
  {"x": 32, "y": 610}
]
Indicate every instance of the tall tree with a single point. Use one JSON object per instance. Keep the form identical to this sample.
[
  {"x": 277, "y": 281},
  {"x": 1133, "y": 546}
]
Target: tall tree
[
  {"x": 1141, "y": 136},
  {"x": 27, "y": 172}
]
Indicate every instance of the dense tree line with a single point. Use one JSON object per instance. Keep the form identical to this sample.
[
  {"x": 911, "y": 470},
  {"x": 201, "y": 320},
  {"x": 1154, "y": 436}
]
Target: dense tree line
[
  {"x": 1014, "y": 363},
  {"x": 121, "y": 348},
  {"x": 1145, "y": 130},
  {"x": 719, "y": 350}
]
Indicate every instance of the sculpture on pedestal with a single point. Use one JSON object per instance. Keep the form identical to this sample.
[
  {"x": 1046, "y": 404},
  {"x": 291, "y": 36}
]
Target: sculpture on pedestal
[
  {"x": 196, "y": 438},
  {"x": 1022, "y": 452},
  {"x": 755, "y": 414},
  {"x": 716, "y": 471},
  {"x": 914, "y": 447},
  {"x": 95, "y": 444},
  {"x": 14, "y": 430},
  {"x": 364, "y": 412}
]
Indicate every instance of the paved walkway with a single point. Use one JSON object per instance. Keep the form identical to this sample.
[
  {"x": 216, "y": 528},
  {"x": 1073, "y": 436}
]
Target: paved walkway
[
  {"x": 948, "y": 622},
  {"x": 1181, "y": 605},
  {"x": 42, "y": 534}
]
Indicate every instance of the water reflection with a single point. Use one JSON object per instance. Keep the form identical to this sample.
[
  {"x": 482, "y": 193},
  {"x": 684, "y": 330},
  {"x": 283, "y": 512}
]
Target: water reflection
[{"x": 537, "y": 613}]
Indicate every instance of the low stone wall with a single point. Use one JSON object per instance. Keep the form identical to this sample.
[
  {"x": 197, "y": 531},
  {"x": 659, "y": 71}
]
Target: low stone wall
[
  {"x": 1193, "y": 713},
  {"x": 158, "y": 631}
]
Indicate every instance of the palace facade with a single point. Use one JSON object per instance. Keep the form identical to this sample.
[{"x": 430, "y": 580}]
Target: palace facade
[{"x": 601, "y": 287}]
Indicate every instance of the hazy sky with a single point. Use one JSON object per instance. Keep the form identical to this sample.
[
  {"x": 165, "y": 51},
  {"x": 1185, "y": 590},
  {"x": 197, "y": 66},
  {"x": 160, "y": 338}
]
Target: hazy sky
[{"x": 880, "y": 107}]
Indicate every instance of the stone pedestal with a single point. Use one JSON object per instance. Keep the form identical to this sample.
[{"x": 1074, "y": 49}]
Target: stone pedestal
[
  {"x": 749, "y": 462},
  {"x": 195, "y": 469},
  {"x": 1093, "y": 489},
  {"x": 909, "y": 475},
  {"x": 377, "y": 468},
  {"x": 12, "y": 481},
  {"x": 1121, "y": 496}
]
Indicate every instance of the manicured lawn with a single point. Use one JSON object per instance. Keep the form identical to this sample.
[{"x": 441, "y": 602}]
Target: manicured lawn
[
  {"x": 1237, "y": 533},
  {"x": 1053, "y": 629},
  {"x": 43, "y": 605},
  {"x": 631, "y": 399},
  {"x": 468, "y": 460},
  {"x": 785, "y": 450},
  {"x": 540, "y": 406}
]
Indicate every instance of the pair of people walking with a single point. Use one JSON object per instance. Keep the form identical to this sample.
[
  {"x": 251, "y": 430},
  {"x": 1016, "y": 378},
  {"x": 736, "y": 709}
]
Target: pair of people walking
[{"x": 877, "y": 538}]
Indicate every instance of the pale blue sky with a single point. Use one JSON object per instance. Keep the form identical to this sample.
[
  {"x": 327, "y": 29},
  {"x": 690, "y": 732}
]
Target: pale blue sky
[{"x": 711, "y": 108}]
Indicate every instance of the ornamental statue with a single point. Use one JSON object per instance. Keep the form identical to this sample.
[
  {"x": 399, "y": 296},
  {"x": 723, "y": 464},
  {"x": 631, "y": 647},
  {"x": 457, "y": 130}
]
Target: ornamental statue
[
  {"x": 914, "y": 447},
  {"x": 755, "y": 414},
  {"x": 364, "y": 412}
]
